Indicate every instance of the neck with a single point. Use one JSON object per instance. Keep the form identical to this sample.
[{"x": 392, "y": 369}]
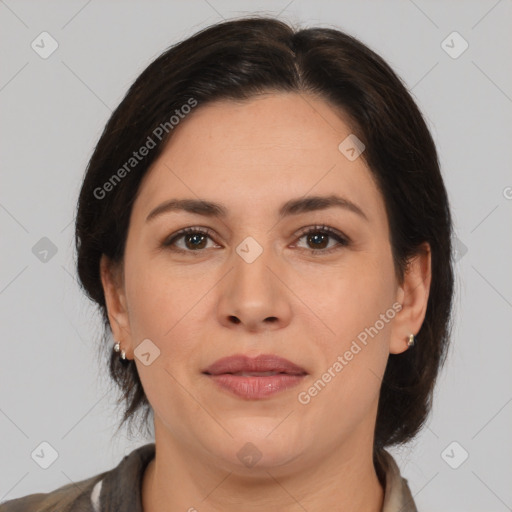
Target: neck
[{"x": 342, "y": 480}]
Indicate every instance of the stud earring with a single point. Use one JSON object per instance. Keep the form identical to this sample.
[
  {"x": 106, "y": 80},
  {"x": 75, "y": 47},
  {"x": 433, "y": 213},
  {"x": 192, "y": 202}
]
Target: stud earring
[
  {"x": 117, "y": 348},
  {"x": 411, "y": 340}
]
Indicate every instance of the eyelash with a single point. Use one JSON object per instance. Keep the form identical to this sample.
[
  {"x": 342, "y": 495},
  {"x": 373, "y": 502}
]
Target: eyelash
[{"x": 342, "y": 240}]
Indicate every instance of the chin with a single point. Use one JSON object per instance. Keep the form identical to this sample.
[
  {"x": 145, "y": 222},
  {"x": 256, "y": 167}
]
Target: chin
[{"x": 253, "y": 450}]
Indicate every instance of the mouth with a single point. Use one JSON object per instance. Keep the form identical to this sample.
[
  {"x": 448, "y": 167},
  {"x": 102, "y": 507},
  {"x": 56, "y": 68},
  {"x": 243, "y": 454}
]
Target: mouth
[
  {"x": 256, "y": 374},
  {"x": 255, "y": 378}
]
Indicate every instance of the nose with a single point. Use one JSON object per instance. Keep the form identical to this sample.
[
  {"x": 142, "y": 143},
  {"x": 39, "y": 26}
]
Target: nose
[{"x": 254, "y": 294}]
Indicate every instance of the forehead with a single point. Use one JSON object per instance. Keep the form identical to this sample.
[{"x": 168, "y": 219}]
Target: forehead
[{"x": 264, "y": 150}]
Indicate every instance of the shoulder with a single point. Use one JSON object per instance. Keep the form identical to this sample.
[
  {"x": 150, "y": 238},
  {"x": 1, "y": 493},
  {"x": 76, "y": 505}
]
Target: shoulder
[
  {"x": 73, "y": 497},
  {"x": 116, "y": 489}
]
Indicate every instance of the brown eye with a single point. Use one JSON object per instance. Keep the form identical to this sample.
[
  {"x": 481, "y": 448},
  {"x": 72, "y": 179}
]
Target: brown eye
[
  {"x": 194, "y": 240},
  {"x": 317, "y": 239}
]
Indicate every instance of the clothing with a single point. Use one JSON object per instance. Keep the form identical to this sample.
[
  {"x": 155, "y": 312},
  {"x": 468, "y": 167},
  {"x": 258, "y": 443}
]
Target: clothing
[{"x": 119, "y": 490}]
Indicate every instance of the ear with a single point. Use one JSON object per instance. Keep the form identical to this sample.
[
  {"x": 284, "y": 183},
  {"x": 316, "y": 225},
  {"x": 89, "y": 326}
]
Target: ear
[
  {"x": 115, "y": 298},
  {"x": 413, "y": 295}
]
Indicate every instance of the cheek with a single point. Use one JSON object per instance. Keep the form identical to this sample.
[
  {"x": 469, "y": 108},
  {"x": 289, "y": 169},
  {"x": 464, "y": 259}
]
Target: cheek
[
  {"x": 347, "y": 380},
  {"x": 357, "y": 309},
  {"x": 349, "y": 298},
  {"x": 161, "y": 297},
  {"x": 164, "y": 308}
]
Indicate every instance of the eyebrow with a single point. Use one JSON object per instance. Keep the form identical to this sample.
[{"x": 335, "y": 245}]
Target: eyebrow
[{"x": 291, "y": 207}]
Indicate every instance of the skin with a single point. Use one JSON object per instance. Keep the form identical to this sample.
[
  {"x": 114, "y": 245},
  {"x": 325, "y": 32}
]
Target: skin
[{"x": 252, "y": 157}]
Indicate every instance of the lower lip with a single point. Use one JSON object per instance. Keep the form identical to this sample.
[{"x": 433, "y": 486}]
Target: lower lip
[{"x": 253, "y": 388}]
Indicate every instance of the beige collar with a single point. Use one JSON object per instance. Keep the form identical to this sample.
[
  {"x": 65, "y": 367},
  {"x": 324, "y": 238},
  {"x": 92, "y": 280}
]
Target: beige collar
[{"x": 397, "y": 495}]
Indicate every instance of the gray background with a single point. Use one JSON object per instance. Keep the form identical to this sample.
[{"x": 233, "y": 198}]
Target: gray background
[{"x": 53, "y": 111}]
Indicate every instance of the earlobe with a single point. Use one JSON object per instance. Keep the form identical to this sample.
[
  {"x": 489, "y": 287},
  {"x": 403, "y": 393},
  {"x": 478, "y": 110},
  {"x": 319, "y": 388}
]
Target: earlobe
[
  {"x": 115, "y": 299},
  {"x": 413, "y": 295}
]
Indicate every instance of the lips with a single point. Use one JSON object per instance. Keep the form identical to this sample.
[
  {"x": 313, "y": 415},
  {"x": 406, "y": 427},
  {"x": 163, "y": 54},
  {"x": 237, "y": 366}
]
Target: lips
[
  {"x": 255, "y": 378},
  {"x": 260, "y": 366}
]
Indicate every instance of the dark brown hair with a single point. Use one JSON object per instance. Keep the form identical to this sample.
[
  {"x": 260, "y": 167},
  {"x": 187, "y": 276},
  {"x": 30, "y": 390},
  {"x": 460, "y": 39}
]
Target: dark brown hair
[{"x": 237, "y": 60}]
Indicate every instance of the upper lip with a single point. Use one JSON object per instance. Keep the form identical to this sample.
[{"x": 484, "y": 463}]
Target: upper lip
[{"x": 262, "y": 363}]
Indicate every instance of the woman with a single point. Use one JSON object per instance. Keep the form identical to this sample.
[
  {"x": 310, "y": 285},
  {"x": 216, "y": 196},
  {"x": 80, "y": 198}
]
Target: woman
[{"x": 265, "y": 229}]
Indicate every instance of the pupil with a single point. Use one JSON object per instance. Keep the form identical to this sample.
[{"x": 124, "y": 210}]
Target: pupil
[
  {"x": 197, "y": 238},
  {"x": 317, "y": 237}
]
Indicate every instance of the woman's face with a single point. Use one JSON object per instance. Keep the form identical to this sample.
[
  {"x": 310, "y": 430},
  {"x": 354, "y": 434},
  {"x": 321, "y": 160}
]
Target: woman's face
[{"x": 254, "y": 282}]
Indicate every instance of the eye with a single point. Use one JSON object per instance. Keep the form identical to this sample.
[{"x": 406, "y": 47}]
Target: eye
[
  {"x": 317, "y": 237},
  {"x": 194, "y": 239}
]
